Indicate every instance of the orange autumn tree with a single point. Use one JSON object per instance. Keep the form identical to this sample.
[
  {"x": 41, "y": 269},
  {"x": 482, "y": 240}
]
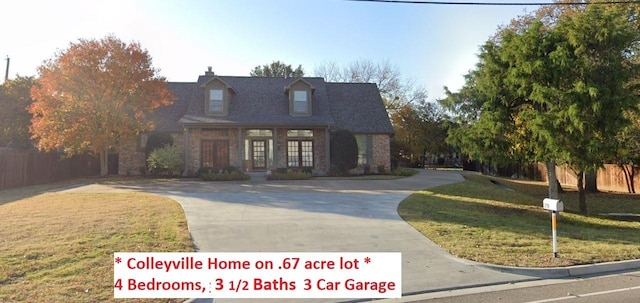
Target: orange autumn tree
[{"x": 93, "y": 94}]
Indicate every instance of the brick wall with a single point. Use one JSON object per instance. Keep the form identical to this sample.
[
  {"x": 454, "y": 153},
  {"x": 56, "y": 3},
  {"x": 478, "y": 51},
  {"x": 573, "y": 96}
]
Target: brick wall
[
  {"x": 131, "y": 157},
  {"x": 196, "y": 136},
  {"x": 381, "y": 152},
  {"x": 320, "y": 151}
]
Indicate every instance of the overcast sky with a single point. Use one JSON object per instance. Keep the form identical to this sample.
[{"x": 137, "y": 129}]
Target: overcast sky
[{"x": 433, "y": 44}]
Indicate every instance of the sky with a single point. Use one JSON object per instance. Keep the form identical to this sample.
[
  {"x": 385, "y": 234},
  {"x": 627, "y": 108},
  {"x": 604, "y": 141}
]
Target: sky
[{"x": 434, "y": 45}]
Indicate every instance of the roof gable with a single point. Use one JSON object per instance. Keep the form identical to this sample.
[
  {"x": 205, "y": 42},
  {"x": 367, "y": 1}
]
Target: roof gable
[
  {"x": 358, "y": 107},
  {"x": 216, "y": 78},
  {"x": 299, "y": 80}
]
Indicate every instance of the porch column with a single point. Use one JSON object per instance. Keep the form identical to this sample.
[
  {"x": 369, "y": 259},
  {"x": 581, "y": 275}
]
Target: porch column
[
  {"x": 240, "y": 148},
  {"x": 327, "y": 139},
  {"x": 185, "y": 135},
  {"x": 274, "y": 163}
]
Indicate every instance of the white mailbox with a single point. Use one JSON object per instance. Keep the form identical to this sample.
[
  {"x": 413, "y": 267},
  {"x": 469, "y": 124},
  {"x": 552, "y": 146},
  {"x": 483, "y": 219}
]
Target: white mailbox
[{"x": 552, "y": 204}]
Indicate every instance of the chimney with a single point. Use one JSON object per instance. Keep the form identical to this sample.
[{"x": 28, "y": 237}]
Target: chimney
[
  {"x": 209, "y": 71},
  {"x": 6, "y": 75}
]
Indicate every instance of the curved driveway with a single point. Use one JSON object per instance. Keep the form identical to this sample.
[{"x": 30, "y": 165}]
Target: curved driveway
[{"x": 320, "y": 216}]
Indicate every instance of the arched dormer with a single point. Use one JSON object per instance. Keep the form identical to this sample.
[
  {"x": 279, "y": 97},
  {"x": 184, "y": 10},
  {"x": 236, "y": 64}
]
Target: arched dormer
[
  {"x": 217, "y": 94},
  {"x": 300, "y": 93}
]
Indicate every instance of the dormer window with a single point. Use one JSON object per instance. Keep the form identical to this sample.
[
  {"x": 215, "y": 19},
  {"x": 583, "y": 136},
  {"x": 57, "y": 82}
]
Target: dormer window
[
  {"x": 300, "y": 102},
  {"x": 216, "y": 101},
  {"x": 300, "y": 93},
  {"x": 217, "y": 95}
]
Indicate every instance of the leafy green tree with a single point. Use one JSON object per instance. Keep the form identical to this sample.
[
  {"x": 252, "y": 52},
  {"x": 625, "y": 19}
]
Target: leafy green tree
[
  {"x": 277, "y": 69},
  {"x": 344, "y": 151},
  {"x": 14, "y": 116},
  {"x": 421, "y": 128},
  {"x": 554, "y": 89}
]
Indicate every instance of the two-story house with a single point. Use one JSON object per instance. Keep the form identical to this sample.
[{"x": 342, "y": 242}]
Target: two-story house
[{"x": 264, "y": 123}]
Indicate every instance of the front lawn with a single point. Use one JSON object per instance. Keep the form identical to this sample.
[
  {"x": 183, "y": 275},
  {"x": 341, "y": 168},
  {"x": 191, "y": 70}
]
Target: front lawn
[
  {"x": 480, "y": 221},
  {"x": 59, "y": 247}
]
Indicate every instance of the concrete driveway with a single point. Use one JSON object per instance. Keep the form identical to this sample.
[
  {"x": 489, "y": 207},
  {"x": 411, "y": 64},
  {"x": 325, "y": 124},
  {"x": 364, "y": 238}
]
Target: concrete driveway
[{"x": 320, "y": 216}]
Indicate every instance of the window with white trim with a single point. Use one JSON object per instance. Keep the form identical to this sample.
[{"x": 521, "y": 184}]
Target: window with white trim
[
  {"x": 300, "y": 153},
  {"x": 300, "y": 102},
  {"x": 216, "y": 101},
  {"x": 362, "y": 149}
]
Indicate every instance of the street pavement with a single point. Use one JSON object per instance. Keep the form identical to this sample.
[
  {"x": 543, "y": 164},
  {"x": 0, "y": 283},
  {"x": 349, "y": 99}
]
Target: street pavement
[{"x": 322, "y": 216}]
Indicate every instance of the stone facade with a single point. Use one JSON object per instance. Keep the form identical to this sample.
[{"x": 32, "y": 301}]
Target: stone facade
[
  {"x": 381, "y": 152},
  {"x": 131, "y": 156},
  {"x": 239, "y": 154},
  {"x": 197, "y": 135}
]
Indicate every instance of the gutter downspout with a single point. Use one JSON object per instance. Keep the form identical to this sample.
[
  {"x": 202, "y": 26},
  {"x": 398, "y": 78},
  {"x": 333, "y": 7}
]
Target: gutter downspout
[
  {"x": 327, "y": 145},
  {"x": 185, "y": 134}
]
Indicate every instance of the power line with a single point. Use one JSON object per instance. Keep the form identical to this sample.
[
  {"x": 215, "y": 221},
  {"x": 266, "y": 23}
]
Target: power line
[{"x": 497, "y": 3}]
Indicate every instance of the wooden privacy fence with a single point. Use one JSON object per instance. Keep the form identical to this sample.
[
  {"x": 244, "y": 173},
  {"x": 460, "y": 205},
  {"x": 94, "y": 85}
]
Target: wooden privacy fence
[
  {"x": 611, "y": 177},
  {"x": 23, "y": 168}
]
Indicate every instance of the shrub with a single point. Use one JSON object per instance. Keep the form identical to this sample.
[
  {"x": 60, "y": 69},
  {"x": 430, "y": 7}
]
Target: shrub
[
  {"x": 223, "y": 175},
  {"x": 167, "y": 159},
  {"x": 382, "y": 170},
  {"x": 289, "y": 175},
  {"x": 230, "y": 169},
  {"x": 156, "y": 140},
  {"x": 203, "y": 170},
  {"x": 404, "y": 172},
  {"x": 344, "y": 152},
  {"x": 366, "y": 169}
]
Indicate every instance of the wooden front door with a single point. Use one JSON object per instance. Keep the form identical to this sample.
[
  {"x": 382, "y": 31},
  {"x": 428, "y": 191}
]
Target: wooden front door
[
  {"x": 259, "y": 154},
  {"x": 214, "y": 154}
]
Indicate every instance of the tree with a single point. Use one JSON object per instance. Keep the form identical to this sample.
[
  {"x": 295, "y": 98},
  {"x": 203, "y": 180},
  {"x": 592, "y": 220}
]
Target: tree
[
  {"x": 14, "y": 117},
  {"x": 394, "y": 89},
  {"x": 344, "y": 151},
  {"x": 555, "y": 89},
  {"x": 94, "y": 94},
  {"x": 421, "y": 128},
  {"x": 277, "y": 69}
]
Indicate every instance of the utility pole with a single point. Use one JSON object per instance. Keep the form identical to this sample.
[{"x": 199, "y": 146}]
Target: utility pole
[{"x": 6, "y": 74}]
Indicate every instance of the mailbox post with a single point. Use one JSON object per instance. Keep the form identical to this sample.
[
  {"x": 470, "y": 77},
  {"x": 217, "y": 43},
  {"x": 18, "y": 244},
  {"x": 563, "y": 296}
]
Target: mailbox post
[{"x": 555, "y": 206}]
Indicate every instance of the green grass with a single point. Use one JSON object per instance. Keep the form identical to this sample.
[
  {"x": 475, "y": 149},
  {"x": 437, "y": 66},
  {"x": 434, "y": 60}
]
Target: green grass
[
  {"x": 59, "y": 247},
  {"x": 480, "y": 221}
]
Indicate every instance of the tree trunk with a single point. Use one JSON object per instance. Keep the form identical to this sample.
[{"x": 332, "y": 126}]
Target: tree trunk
[
  {"x": 104, "y": 162},
  {"x": 629, "y": 173},
  {"x": 582, "y": 200},
  {"x": 591, "y": 184},
  {"x": 553, "y": 180}
]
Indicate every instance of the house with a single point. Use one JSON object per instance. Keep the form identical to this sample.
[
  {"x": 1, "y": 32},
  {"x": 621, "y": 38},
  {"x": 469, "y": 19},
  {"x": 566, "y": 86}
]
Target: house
[{"x": 265, "y": 123}]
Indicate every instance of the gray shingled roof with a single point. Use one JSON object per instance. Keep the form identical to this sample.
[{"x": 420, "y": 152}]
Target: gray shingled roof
[
  {"x": 358, "y": 107},
  {"x": 261, "y": 101},
  {"x": 166, "y": 118}
]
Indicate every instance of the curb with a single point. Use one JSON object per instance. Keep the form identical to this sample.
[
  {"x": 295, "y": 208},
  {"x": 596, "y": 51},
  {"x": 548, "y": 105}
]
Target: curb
[{"x": 564, "y": 272}]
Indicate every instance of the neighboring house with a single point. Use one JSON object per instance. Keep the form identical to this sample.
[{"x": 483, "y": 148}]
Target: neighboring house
[{"x": 264, "y": 123}]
